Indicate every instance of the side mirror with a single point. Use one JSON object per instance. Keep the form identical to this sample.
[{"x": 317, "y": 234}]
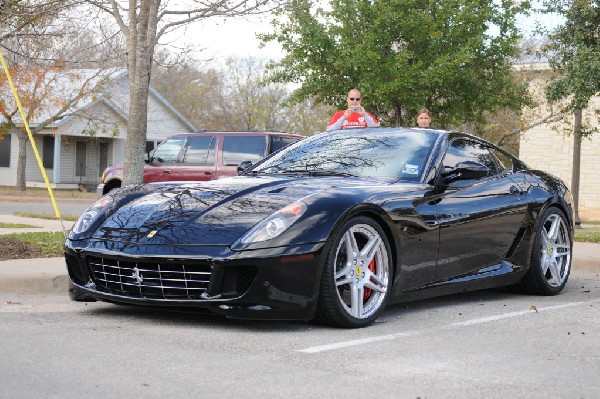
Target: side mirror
[
  {"x": 242, "y": 166},
  {"x": 147, "y": 158},
  {"x": 466, "y": 170}
]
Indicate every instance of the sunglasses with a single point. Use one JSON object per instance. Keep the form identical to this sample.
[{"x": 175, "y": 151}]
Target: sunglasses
[{"x": 354, "y": 99}]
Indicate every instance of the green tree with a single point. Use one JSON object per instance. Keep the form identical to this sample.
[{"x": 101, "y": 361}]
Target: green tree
[
  {"x": 451, "y": 56},
  {"x": 574, "y": 54}
]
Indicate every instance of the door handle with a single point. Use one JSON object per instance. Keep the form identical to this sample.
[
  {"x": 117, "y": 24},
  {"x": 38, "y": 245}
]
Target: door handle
[
  {"x": 167, "y": 171},
  {"x": 208, "y": 172}
]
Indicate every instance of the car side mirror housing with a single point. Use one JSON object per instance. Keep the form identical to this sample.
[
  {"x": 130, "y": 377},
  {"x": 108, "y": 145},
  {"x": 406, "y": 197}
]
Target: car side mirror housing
[
  {"x": 242, "y": 166},
  {"x": 147, "y": 158},
  {"x": 466, "y": 170}
]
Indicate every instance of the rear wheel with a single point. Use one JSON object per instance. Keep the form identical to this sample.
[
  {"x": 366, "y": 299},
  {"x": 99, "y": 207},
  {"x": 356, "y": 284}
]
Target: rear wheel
[
  {"x": 551, "y": 255},
  {"x": 357, "y": 275}
]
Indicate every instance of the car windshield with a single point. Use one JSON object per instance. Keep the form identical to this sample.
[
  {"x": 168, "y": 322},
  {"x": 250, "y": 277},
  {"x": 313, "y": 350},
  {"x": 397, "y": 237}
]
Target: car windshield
[{"x": 399, "y": 154}]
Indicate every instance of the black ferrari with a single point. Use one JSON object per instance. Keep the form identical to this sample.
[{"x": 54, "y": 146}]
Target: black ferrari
[{"x": 331, "y": 228}]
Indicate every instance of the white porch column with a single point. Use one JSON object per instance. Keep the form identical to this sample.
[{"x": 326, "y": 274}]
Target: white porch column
[{"x": 56, "y": 170}]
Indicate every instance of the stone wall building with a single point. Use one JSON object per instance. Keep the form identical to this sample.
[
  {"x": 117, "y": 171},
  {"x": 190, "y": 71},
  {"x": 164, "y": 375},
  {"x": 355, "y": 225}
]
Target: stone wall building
[{"x": 549, "y": 146}]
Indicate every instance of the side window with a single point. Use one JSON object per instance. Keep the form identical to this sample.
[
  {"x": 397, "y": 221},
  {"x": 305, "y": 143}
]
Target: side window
[
  {"x": 168, "y": 151},
  {"x": 200, "y": 150},
  {"x": 278, "y": 142},
  {"x": 243, "y": 148},
  {"x": 462, "y": 150},
  {"x": 504, "y": 160}
]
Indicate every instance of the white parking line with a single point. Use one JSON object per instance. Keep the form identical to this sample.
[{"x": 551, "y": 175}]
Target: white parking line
[{"x": 471, "y": 322}]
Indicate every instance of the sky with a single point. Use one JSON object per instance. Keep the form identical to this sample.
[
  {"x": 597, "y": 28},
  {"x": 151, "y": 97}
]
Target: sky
[
  {"x": 237, "y": 37},
  {"x": 232, "y": 38}
]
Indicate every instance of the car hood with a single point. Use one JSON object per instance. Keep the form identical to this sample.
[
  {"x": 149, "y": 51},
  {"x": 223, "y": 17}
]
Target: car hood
[{"x": 211, "y": 213}]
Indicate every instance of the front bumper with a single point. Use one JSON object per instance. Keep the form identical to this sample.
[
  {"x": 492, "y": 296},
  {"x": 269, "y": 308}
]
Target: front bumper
[{"x": 275, "y": 283}]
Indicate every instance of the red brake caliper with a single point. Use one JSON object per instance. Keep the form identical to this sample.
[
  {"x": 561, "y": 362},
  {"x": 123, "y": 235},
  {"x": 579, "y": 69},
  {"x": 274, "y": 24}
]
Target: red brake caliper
[{"x": 367, "y": 292}]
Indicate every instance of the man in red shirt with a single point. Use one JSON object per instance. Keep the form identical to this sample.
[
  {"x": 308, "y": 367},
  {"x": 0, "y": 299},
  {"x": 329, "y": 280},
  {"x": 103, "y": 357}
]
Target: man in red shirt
[{"x": 354, "y": 116}]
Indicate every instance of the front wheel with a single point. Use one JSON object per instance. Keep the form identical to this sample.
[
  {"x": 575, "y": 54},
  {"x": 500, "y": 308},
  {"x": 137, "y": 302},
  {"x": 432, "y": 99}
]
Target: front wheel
[
  {"x": 356, "y": 277},
  {"x": 551, "y": 256}
]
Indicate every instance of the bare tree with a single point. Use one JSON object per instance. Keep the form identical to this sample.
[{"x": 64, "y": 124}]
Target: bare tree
[
  {"x": 19, "y": 17},
  {"x": 43, "y": 43},
  {"x": 47, "y": 97},
  {"x": 236, "y": 96},
  {"x": 143, "y": 23}
]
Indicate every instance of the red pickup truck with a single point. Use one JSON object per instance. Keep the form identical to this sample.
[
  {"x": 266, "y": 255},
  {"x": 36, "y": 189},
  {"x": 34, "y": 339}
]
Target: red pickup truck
[{"x": 201, "y": 156}]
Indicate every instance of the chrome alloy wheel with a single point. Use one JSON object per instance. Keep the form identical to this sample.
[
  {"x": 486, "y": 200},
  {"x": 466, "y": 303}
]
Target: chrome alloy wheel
[
  {"x": 361, "y": 271},
  {"x": 555, "y": 247}
]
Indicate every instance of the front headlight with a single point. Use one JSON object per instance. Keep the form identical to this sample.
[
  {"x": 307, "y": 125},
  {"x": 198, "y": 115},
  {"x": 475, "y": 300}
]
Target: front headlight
[
  {"x": 275, "y": 224},
  {"x": 90, "y": 215}
]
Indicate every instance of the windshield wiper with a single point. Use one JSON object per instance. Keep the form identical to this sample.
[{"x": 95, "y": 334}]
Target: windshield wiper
[
  {"x": 327, "y": 172},
  {"x": 314, "y": 172}
]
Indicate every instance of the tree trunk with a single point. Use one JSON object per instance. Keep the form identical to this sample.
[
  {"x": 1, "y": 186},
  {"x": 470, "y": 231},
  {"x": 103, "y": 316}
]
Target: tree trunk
[
  {"x": 576, "y": 164},
  {"x": 22, "y": 161},
  {"x": 135, "y": 146},
  {"x": 141, "y": 42}
]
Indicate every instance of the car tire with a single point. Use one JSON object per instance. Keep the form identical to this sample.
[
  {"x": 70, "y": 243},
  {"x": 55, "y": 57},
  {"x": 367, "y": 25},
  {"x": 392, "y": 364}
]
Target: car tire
[
  {"x": 355, "y": 288},
  {"x": 550, "y": 256}
]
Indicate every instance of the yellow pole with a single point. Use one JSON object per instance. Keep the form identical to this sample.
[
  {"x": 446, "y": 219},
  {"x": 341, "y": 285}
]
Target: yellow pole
[{"x": 35, "y": 150}]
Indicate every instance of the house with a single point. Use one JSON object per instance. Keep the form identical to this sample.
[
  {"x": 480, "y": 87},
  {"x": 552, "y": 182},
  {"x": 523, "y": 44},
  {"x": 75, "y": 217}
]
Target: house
[
  {"x": 549, "y": 146},
  {"x": 78, "y": 147}
]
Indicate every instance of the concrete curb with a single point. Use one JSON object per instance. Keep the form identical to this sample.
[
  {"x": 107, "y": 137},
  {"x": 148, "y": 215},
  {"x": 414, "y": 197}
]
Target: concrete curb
[
  {"x": 49, "y": 275},
  {"x": 33, "y": 276}
]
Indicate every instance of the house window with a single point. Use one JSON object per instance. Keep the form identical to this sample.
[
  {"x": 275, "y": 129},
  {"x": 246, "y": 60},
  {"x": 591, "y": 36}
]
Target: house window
[
  {"x": 48, "y": 152},
  {"x": 150, "y": 145},
  {"x": 80, "y": 158},
  {"x": 102, "y": 158},
  {"x": 5, "y": 150}
]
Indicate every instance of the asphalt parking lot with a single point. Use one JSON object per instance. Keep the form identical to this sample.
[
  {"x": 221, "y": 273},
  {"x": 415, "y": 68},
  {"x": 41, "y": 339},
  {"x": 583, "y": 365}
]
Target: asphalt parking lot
[{"x": 492, "y": 344}]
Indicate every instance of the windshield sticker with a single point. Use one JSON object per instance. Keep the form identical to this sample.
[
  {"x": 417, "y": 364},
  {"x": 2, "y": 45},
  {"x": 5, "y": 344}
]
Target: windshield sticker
[{"x": 410, "y": 169}]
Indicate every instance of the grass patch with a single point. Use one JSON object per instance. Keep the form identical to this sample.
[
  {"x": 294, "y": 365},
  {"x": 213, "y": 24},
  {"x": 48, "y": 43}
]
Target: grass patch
[
  {"x": 10, "y": 191},
  {"x": 65, "y": 217},
  {"x": 16, "y": 226},
  {"x": 31, "y": 245},
  {"x": 588, "y": 235}
]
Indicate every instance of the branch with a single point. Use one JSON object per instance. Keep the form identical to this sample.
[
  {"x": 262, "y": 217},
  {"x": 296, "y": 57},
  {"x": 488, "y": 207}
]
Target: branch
[
  {"x": 220, "y": 8},
  {"x": 112, "y": 10},
  {"x": 28, "y": 15},
  {"x": 553, "y": 117}
]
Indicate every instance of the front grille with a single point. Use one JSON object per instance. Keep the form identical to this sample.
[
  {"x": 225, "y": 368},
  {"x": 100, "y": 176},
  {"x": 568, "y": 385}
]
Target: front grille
[
  {"x": 237, "y": 280},
  {"x": 154, "y": 279}
]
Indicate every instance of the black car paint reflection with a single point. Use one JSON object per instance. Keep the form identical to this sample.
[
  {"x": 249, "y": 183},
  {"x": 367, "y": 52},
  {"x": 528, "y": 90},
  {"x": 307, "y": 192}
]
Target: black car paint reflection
[{"x": 449, "y": 226}]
